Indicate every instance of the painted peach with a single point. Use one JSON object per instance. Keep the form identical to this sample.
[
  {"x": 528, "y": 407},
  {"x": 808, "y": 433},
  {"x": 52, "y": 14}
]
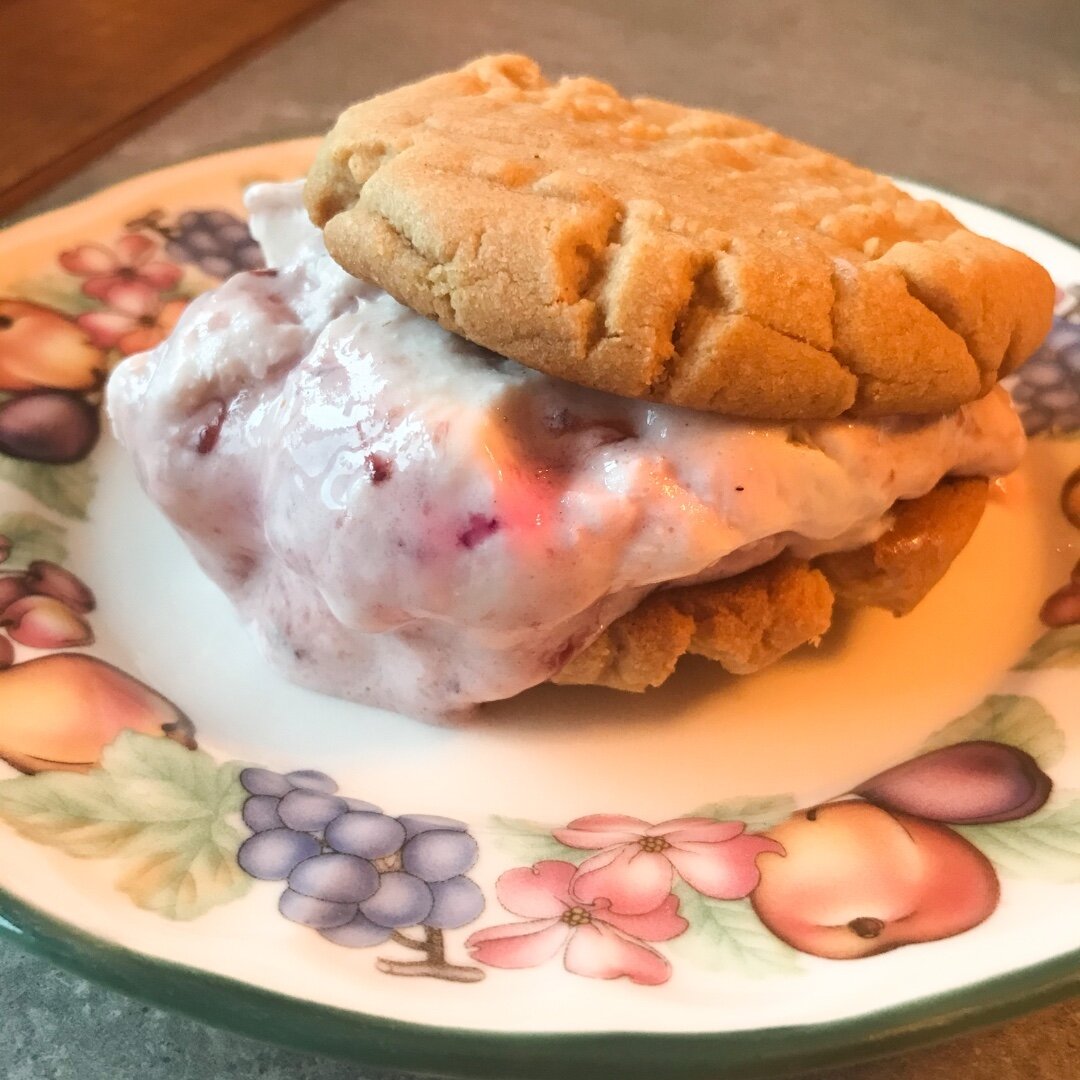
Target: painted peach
[
  {"x": 61, "y": 711},
  {"x": 856, "y": 880},
  {"x": 40, "y": 347}
]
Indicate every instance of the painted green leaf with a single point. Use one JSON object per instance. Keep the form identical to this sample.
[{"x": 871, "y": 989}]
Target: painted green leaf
[
  {"x": 1007, "y": 718},
  {"x": 727, "y": 935},
  {"x": 59, "y": 292},
  {"x": 1056, "y": 648},
  {"x": 157, "y": 806},
  {"x": 1045, "y": 845},
  {"x": 67, "y": 489},
  {"x": 530, "y": 842},
  {"x": 32, "y": 537},
  {"x": 192, "y": 778},
  {"x": 185, "y": 881},
  {"x": 758, "y": 812}
]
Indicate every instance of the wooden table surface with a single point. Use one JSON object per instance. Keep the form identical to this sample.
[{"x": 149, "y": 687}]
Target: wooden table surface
[
  {"x": 978, "y": 96},
  {"x": 79, "y": 76}
]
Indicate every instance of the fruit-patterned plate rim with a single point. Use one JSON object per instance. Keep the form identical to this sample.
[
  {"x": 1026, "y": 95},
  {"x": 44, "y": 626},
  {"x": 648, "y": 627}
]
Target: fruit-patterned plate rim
[{"x": 431, "y": 1048}]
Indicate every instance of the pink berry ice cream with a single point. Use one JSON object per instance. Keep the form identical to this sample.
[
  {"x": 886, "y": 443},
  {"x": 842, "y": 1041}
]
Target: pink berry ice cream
[{"x": 408, "y": 520}]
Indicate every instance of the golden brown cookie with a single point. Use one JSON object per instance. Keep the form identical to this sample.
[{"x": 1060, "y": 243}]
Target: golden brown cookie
[
  {"x": 903, "y": 565},
  {"x": 744, "y": 623},
  {"x": 749, "y": 621},
  {"x": 663, "y": 252}
]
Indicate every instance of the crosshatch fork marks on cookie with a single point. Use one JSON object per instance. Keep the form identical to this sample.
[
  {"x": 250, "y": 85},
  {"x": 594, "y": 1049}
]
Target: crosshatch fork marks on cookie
[{"x": 832, "y": 290}]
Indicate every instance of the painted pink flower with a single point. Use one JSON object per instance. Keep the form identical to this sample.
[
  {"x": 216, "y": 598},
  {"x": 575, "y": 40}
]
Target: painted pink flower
[
  {"x": 593, "y": 940},
  {"x": 637, "y": 862},
  {"x": 130, "y": 261},
  {"x": 138, "y": 319}
]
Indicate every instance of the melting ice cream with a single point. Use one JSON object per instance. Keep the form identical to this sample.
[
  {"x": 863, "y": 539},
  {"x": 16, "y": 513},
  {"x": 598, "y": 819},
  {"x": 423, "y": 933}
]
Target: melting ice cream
[{"x": 408, "y": 520}]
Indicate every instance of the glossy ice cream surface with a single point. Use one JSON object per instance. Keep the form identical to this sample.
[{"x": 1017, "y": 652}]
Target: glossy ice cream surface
[{"x": 410, "y": 521}]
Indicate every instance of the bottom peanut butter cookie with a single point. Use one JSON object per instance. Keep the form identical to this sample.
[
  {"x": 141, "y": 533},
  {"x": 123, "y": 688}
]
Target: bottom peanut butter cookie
[{"x": 748, "y": 621}]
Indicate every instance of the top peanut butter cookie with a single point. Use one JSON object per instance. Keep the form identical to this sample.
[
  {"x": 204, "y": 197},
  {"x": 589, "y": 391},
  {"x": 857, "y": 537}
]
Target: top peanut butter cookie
[{"x": 669, "y": 253}]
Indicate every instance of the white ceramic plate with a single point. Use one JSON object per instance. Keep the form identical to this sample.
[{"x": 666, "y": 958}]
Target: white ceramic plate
[{"x": 120, "y": 847}]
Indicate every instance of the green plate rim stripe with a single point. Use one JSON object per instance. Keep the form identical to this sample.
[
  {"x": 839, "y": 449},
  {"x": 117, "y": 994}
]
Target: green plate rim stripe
[{"x": 762, "y": 1054}]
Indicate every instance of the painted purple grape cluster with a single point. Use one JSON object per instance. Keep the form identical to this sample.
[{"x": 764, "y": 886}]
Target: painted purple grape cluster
[
  {"x": 215, "y": 241},
  {"x": 1047, "y": 388},
  {"x": 351, "y": 872}
]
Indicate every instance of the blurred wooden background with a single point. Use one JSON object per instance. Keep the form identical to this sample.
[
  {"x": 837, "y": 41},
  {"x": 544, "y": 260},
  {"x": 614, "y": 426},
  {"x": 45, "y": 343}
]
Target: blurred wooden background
[{"x": 76, "y": 76}]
